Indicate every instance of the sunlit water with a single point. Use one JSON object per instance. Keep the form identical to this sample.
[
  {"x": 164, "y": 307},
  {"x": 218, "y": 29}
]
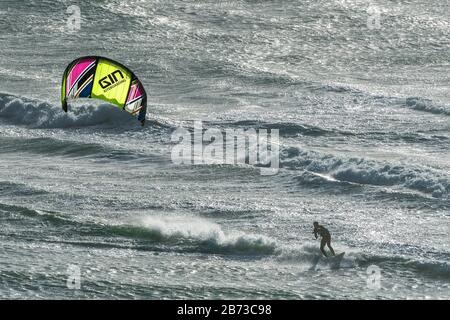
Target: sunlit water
[{"x": 363, "y": 111}]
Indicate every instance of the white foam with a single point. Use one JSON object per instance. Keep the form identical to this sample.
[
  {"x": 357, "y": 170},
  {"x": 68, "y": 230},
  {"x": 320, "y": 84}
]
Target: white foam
[
  {"x": 44, "y": 115},
  {"x": 209, "y": 234}
]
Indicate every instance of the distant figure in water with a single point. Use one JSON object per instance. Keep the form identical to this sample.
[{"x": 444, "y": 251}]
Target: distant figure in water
[{"x": 326, "y": 238}]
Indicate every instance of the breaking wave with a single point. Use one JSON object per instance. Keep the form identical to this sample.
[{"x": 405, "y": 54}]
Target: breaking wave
[
  {"x": 368, "y": 172},
  {"x": 38, "y": 114}
]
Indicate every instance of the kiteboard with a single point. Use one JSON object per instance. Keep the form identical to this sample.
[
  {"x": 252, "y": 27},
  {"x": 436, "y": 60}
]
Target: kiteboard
[{"x": 338, "y": 256}]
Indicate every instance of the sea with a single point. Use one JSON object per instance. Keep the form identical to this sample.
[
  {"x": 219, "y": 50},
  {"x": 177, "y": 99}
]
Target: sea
[{"x": 93, "y": 206}]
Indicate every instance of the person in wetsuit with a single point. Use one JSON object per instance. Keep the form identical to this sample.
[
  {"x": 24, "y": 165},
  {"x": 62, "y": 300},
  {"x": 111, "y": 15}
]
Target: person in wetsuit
[{"x": 326, "y": 237}]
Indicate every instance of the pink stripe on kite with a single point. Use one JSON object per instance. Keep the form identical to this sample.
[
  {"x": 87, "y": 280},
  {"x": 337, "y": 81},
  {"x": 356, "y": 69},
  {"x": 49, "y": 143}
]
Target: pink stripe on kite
[
  {"x": 77, "y": 70},
  {"x": 138, "y": 92},
  {"x": 135, "y": 92},
  {"x": 131, "y": 95}
]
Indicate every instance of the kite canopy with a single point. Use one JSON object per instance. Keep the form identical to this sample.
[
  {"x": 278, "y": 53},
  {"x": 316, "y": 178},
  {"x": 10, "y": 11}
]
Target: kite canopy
[{"x": 107, "y": 80}]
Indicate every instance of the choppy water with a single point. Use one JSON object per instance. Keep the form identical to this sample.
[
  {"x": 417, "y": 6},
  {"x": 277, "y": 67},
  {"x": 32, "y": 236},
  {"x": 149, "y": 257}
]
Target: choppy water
[{"x": 364, "y": 120}]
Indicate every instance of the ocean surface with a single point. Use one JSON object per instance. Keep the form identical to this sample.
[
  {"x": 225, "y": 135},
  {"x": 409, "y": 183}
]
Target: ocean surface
[{"x": 360, "y": 93}]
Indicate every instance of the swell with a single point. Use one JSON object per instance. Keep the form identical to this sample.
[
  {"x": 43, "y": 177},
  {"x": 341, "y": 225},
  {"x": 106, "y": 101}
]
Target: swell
[
  {"x": 413, "y": 103},
  {"x": 365, "y": 172},
  {"x": 8, "y": 188},
  {"x": 309, "y": 256},
  {"x": 435, "y": 269},
  {"x": 427, "y": 105},
  {"x": 322, "y": 88},
  {"x": 321, "y": 183},
  {"x": 287, "y": 130},
  {"x": 38, "y": 114},
  {"x": 43, "y": 115},
  {"x": 343, "y": 170},
  {"x": 65, "y": 148},
  {"x": 150, "y": 233},
  {"x": 194, "y": 235}
]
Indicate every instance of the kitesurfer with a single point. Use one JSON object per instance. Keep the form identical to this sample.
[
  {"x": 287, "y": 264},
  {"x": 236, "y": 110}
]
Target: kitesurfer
[{"x": 326, "y": 237}]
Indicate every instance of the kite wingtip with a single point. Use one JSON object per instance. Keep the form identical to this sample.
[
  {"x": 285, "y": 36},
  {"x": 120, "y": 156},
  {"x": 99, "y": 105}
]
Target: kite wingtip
[{"x": 64, "y": 105}]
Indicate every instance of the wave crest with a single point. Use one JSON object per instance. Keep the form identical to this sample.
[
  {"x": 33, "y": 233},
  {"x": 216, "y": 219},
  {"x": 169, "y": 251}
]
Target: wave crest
[
  {"x": 427, "y": 105},
  {"x": 39, "y": 114},
  {"x": 207, "y": 235},
  {"x": 367, "y": 172}
]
